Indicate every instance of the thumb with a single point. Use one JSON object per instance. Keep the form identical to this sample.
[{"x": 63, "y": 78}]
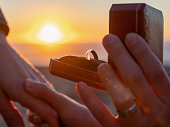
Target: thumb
[
  {"x": 9, "y": 112},
  {"x": 44, "y": 92}
]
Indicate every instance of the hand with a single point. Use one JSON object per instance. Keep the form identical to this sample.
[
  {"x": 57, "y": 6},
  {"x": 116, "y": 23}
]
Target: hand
[
  {"x": 9, "y": 112},
  {"x": 70, "y": 113},
  {"x": 14, "y": 70},
  {"x": 140, "y": 70}
]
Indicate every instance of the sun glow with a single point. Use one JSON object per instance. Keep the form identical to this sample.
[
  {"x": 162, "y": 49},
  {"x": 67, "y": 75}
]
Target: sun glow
[{"x": 50, "y": 34}]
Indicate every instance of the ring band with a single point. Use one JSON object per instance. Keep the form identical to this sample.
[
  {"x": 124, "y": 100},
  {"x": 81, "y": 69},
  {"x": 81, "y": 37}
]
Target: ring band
[
  {"x": 128, "y": 112},
  {"x": 93, "y": 53}
]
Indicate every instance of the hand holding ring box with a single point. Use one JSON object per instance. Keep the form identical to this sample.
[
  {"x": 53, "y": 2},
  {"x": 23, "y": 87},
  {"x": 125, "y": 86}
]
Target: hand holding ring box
[{"x": 138, "y": 18}]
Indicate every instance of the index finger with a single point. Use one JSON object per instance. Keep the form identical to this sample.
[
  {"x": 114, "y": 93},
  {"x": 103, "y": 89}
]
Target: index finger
[{"x": 97, "y": 108}]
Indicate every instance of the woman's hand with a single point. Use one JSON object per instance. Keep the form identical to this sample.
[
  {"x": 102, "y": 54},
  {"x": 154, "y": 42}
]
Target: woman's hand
[
  {"x": 70, "y": 113},
  {"x": 14, "y": 70},
  {"x": 9, "y": 112},
  {"x": 140, "y": 70}
]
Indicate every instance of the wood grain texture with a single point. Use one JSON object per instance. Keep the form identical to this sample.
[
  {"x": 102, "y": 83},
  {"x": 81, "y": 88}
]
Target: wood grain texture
[
  {"x": 75, "y": 73},
  {"x": 153, "y": 27}
]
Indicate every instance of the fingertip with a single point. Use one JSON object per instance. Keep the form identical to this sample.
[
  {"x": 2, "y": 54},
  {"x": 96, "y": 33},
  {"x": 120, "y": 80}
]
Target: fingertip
[
  {"x": 103, "y": 68},
  {"x": 106, "y": 38},
  {"x": 30, "y": 81},
  {"x": 131, "y": 38},
  {"x": 31, "y": 85},
  {"x": 37, "y": 119},
  {"x": 109, "y": 39},
  {"x": 33, "y": 117},
  {"x": 80, "y": 86},
  {"x": 28, "y": 85},
  {"x": 131, "y": 35}
]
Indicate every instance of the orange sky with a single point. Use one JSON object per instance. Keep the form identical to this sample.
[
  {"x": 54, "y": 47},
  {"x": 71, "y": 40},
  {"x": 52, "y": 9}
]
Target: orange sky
[{"x": 78, "y": 20}]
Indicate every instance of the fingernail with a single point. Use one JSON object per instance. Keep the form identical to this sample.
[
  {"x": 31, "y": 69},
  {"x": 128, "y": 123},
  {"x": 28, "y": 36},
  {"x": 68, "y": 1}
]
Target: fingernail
[
  {"x": 81, "y": 84},
  {"x": 109, "y": 39},
  {"x": 37, "y": 119},
  {"x": 131, "y": 38},
  {"x": 103, "y": 71},
  {"x": 102, "y": 68},
  {"x": 29, "y": 84}
]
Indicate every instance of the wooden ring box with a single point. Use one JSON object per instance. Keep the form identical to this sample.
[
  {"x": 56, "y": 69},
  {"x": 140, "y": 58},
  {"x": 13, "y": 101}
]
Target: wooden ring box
[{"x": 137, "y": 18}]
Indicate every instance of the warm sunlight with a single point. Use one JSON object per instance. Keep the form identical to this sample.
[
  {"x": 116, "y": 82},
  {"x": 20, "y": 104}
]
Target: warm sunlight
[{"x": 50, "y": 34}]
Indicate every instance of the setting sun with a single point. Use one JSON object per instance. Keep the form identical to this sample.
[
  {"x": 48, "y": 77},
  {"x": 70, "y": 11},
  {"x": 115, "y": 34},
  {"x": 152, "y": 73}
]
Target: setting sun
[{"x": 50, "y": 34}]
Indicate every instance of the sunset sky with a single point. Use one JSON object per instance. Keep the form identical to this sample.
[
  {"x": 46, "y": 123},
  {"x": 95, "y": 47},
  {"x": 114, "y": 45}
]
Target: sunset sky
[{"x": 72, "y": 20}]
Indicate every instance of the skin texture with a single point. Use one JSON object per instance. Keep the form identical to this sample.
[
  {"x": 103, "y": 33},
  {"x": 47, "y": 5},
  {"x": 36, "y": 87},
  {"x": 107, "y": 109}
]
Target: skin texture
[
  {"x": 145, "y": 76},
  {"x": 139, "y": 77},
  {"x": 14, "y": 70},
  {"x": 71, "y": 113},
  {"x": 9, "y": 112}
]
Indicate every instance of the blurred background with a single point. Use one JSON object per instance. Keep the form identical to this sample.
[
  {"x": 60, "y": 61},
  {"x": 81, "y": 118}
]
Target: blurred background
[{"x": 44, "y": 29}]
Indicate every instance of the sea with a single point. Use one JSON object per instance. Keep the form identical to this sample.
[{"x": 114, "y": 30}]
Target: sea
[{"x": 40, "y": 54}]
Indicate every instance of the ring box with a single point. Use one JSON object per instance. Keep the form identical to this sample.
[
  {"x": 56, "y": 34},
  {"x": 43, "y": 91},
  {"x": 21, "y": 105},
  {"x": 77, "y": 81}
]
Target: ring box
[{"x": 138, "y": 18}]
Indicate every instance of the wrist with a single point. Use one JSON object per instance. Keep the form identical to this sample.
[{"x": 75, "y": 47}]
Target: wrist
[{"x": 2, "y": 38}]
